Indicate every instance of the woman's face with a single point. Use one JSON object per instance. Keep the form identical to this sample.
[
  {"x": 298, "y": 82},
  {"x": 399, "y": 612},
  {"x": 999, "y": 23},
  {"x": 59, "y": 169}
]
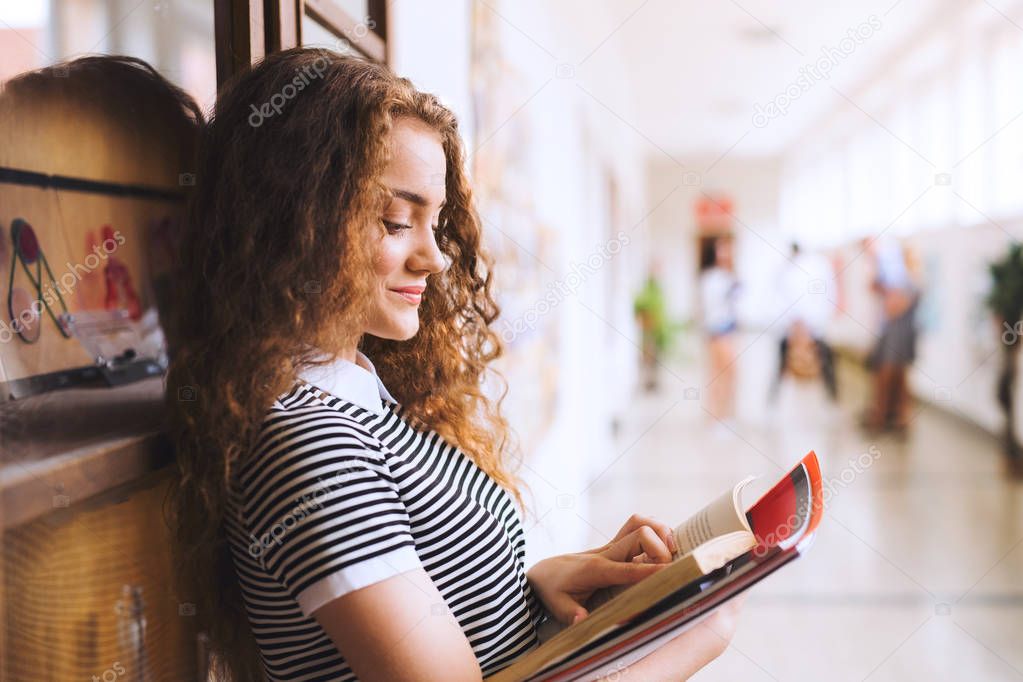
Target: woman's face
[{"x": 407, "y": 253}]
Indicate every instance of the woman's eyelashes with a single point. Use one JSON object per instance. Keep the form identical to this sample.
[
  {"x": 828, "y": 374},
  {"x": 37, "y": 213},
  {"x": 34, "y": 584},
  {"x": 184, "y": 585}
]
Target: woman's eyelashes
[{"x": 396, "y": 228}]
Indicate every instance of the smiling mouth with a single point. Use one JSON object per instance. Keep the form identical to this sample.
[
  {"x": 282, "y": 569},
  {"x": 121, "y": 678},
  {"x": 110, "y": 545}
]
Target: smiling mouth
[{"x": 410, "y": 296}]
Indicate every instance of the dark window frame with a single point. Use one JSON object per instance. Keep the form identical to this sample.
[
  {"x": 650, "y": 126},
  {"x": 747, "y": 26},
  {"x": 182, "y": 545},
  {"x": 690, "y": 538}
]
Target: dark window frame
[{"x": 248, "y": 30}]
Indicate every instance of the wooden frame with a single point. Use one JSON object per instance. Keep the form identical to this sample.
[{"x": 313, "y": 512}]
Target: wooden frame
[
  {"x": 283, "y": 24},
  {"x": 239, "y": 36},
  {"x": 247, "y": 30},
  {"x": 369, "y": 39}
]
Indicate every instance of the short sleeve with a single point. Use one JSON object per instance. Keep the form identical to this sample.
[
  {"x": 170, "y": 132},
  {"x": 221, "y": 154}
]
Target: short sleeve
[{"x": 324, "y": 515}]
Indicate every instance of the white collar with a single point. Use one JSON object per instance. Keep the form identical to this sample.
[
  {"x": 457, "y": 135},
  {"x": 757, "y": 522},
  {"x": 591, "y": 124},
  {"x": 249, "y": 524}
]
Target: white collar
[{"x": 356, "y": 383}]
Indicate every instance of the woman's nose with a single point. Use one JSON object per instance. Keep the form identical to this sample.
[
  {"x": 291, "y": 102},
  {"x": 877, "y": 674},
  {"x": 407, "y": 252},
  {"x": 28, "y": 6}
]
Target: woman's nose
[{"x": 428, "y": 255}]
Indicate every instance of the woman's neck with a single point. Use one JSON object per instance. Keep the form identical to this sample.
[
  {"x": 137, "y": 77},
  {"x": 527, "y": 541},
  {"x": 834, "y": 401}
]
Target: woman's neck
[{"x": 354, "y": 356}]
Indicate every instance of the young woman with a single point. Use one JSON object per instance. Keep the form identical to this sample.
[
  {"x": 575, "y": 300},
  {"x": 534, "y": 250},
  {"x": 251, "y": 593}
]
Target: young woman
[
  {"x": 719, "y": 290},
  {"x": 895, "y": 283},
  {"x": 338, "y": 518}
]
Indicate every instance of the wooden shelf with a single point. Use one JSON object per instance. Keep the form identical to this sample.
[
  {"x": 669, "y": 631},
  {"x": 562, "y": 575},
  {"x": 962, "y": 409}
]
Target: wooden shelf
[{"x": 63, "y": 448}]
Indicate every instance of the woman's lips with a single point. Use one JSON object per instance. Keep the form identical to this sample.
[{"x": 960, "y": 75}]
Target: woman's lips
[{"x": 411, "y": 294}]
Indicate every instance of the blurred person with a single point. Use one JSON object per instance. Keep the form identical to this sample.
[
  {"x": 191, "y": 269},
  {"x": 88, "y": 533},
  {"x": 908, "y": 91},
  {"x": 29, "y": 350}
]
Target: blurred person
[
  {"x": 896, "y": 285},
  {"x": 802, "y": 350},
  {"x": 317, "y": 240},
  {"x": 719, "y": 293},
  {"x": 651, "y": 313}
]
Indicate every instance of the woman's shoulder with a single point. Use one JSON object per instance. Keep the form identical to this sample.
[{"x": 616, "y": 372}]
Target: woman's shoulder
[
  {"x": 307, "y": 403},
  {"x": 302, "y": 426}
]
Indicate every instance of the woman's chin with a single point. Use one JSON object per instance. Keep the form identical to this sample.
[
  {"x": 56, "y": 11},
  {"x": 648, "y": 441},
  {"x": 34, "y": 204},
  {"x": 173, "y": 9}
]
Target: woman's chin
[
  {"x": 395, "y": 328},
  {"x": 403, "y": 330}
]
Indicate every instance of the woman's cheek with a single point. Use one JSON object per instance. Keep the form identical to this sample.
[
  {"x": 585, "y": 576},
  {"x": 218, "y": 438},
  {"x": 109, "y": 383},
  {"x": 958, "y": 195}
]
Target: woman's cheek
[{"x": 388, "y": 257}]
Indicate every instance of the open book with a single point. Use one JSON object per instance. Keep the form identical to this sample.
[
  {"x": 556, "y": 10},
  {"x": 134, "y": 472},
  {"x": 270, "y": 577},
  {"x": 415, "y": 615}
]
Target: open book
[{"x": 722, "y": 550}]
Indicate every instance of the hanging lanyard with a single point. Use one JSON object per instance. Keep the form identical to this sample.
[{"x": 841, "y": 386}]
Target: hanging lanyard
[{"x": 28, "y": 251}]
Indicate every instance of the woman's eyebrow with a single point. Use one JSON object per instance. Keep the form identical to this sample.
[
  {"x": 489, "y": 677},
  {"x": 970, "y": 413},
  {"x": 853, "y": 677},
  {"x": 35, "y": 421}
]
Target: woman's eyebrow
[{"x": 417, "y": 199}]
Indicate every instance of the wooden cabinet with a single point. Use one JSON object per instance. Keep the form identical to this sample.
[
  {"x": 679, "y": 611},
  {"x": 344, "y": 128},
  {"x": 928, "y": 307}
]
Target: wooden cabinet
[{"x": 88, "y": 591}]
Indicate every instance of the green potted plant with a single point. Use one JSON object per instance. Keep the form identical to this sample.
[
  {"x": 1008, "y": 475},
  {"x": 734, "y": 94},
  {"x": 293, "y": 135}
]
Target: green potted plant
[
  {"x": 1006, "y": 301},
  {"x": 650, "y": 307}
]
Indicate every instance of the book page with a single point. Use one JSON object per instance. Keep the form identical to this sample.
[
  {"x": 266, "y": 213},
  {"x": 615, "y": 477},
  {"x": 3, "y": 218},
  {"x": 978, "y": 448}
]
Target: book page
[{"x": 723, "y": 515}]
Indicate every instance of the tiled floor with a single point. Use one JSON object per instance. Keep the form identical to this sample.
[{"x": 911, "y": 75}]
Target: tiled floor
[{"x": 917, "y": 570}]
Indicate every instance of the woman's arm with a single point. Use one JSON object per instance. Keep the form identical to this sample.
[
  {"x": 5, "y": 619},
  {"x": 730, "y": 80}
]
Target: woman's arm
[{"x": 399, "y": 629}]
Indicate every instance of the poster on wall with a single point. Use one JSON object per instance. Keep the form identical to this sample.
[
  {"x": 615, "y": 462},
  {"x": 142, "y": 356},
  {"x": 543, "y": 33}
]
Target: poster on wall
[
  {"x": 714, "y": 214},
  {"x": 78, "y": 300},
  {"x": 519, "y": 241},
  {"x": 88, "y": 195}
]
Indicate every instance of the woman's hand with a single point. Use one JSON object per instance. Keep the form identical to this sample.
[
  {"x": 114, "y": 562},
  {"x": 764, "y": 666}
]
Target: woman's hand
[
  {"x": 642, "y": 547},
  {"x": 682, "y": 656}
]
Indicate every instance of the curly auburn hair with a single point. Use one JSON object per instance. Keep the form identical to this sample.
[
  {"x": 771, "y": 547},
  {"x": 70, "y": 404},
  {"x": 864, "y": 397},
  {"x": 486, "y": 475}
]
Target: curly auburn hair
[{"x": 275, "y": 260}]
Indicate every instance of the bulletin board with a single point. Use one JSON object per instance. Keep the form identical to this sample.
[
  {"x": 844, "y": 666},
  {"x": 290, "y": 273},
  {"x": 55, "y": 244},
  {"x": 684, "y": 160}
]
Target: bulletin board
[{"x": 94, "y": 170}]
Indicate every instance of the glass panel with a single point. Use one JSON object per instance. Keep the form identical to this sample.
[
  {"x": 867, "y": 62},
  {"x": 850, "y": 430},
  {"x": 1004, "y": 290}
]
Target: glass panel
[
  {"x": 356, "y": 9},
  {"x": 1006, "y": 139},
  {"x": 936, "y": 140},
  {"x": 973, "y": 100},
  {"x": 315, "y": 34},
  {"x": 176, "y": 38}
]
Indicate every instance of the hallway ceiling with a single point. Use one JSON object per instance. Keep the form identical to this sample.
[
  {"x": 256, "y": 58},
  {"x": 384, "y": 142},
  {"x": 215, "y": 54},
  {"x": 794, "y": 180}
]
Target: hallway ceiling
[{"x": 697, "y": 71}]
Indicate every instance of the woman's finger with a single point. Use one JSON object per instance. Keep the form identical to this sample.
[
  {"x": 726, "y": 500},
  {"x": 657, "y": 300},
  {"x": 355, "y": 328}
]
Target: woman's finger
[
  {"x": 663, "y": 530},
  {"x": 610, "y": 572},
  {"x": 642, "y": 540},
  {"x": 565, "y": 608}
]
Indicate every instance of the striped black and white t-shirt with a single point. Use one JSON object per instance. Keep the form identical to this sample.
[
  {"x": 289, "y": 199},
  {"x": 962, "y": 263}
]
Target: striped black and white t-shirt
[{"x": 344, "y": 490}]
